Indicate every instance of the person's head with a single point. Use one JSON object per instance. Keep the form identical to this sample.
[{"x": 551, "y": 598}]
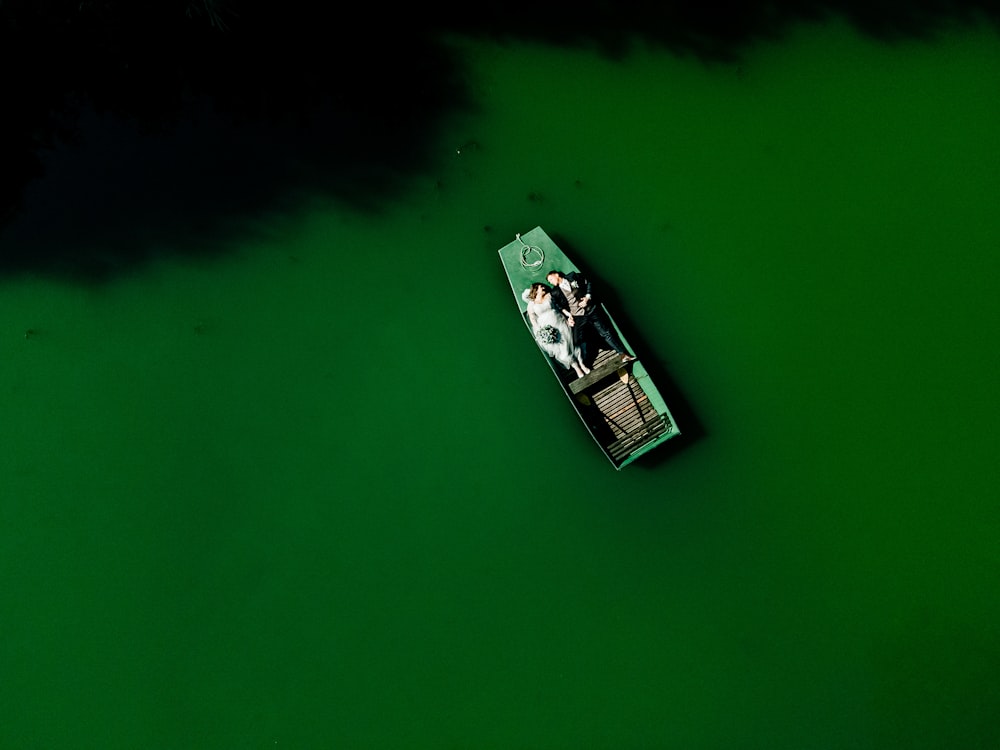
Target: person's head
[
  {"x": 554, "y": 277},
  {"x": 537, "y": 290}
]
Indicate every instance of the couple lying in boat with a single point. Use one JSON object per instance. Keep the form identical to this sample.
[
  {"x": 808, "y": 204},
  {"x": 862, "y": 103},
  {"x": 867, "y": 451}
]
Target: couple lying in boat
[{"x": 562, "y": 316}]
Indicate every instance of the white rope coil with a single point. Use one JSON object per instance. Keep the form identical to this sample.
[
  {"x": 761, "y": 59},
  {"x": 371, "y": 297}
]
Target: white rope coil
[{"x": 526, "y": 252}]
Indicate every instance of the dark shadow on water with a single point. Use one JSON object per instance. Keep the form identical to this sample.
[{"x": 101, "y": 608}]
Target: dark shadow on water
[
  {"x": 132, "y": 129},
  {"x": 715, "y": 30},
  {"x": 124, "y": 143}
]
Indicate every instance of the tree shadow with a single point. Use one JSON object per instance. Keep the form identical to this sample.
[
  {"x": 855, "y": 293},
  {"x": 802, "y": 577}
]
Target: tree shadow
[
  {"x": 168, "y": 126},
  {"x": 176, "y": 142},
  {"x": 713, "y": 30}
]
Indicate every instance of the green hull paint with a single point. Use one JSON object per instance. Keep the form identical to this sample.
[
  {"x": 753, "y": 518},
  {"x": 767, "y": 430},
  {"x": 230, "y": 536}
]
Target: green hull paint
[{"x": 541, "y": 255}]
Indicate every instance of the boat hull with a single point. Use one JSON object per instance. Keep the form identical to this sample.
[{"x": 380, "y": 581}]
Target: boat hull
[{"x": 617, "y": 402}]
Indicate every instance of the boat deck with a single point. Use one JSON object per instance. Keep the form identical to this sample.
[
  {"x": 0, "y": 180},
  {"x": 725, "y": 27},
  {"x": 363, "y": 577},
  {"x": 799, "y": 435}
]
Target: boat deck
[{"x": 615, "y": 405}]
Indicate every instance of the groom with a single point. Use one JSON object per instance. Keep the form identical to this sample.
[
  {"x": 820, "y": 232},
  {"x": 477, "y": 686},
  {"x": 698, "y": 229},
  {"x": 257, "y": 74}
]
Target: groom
[{"x": 571, "y": 295}]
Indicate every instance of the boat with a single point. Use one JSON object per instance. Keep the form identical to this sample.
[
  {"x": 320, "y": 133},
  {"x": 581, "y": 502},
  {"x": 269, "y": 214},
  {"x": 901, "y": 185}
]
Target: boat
[{"x": 617, "y": 401}]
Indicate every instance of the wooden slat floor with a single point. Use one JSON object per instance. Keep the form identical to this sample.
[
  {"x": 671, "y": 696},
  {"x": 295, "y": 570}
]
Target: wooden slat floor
[
  {"x": 624, "y": 406},
  {"x": 624, "y": 418}
]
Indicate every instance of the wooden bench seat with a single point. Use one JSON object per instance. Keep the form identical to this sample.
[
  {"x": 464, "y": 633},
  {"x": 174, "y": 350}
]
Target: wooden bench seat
[{"x": 639, "y": 436}]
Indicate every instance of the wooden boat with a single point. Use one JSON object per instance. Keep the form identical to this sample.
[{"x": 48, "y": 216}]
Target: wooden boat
[{"x": 617, "y": 402}]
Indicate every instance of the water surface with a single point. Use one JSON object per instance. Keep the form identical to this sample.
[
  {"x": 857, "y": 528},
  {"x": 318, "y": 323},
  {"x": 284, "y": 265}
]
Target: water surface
[{"x": 320, "y": 490}]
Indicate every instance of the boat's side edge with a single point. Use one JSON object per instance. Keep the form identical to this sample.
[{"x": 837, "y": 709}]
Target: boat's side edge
[
  {"x": 557, "y": 259},
  {"x": 577, "y": 407},
  {"x": 648, "y": 386}
]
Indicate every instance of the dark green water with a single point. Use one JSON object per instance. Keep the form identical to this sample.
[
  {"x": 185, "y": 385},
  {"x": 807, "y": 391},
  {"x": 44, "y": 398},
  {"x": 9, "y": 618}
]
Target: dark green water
[{"x": 289, "y": 498}]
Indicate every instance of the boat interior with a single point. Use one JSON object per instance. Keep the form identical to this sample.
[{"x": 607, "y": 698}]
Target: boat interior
[{"x": 612, "y": 402}]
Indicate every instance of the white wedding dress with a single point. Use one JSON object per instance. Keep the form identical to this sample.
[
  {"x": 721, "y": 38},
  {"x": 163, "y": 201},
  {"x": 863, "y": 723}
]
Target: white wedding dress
[{"x": 552, "y": 332}]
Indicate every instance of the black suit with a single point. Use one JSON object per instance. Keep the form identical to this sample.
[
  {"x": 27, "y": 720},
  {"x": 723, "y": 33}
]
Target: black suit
[{"x": 593, "y": 316}]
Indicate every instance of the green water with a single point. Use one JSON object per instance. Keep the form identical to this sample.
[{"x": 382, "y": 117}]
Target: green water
[{"x": 289, "y": 497}]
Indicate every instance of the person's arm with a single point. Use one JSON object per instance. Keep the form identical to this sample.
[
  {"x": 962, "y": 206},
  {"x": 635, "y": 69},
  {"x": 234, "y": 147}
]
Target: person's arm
[
  {"x": 583, "y": 289},
  {"x": 559, "y": 303},
  {"x": 564, "y": 311}
]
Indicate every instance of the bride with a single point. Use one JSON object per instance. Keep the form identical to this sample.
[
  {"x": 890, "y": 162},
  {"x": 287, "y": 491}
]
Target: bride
[{"x": 551, "y": 330}]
